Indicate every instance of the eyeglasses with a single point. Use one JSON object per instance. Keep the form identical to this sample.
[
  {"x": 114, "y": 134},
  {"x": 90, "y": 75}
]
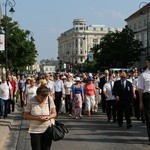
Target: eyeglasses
[{"x": 123, "y": 77}]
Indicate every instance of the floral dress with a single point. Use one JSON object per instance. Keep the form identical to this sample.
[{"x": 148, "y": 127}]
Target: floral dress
[{"x": 77, "y": 100}]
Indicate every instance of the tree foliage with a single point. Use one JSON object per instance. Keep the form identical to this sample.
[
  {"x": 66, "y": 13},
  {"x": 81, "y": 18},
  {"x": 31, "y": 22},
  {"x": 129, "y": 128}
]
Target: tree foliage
[
  {"x": 118, "y": 49},
  {"x": 21, "y": 50}
]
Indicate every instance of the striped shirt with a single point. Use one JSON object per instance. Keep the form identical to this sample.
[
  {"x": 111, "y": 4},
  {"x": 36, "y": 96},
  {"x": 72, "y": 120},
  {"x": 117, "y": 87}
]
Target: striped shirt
[{"x": 34, "y": 109}]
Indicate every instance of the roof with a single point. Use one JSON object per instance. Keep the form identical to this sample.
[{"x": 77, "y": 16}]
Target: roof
[{"x": 144, "y": 9}]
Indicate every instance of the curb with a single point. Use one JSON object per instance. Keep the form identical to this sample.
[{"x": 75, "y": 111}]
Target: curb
[{"x": 7, "y": 124}]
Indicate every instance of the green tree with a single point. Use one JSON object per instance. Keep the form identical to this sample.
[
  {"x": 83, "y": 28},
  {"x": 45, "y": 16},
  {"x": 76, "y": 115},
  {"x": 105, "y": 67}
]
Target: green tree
[
  {"x": 21, "y": 50},
  {"x": 118, "y": 49}
]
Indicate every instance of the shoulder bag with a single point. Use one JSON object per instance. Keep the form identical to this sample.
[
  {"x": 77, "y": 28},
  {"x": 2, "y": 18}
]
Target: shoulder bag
[{"x": 58, "y": 130}]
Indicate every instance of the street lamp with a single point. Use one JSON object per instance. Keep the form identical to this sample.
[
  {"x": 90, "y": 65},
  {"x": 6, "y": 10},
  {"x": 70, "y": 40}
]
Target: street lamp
[
  {"x": 11, "y": 4},
  {"x": 147, "y": 20}
]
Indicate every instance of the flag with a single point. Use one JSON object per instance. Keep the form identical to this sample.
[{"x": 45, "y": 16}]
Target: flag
[{"x": 2, "y": 42}]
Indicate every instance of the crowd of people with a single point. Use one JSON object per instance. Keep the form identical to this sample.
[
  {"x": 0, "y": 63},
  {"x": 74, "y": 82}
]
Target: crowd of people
[{"x": 119, "y": 94}]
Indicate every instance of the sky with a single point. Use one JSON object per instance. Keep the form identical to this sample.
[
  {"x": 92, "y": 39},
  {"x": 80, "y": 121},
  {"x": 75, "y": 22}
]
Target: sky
[{"x": 47, "y": 19}]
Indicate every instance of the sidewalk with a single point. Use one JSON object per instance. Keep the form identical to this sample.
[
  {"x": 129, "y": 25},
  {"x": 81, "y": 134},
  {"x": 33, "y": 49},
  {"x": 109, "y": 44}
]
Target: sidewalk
[{"x": 12, "y": 121}]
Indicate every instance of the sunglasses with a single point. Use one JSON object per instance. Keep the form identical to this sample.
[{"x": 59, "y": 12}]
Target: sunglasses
[{"x": 123, "y": 77}]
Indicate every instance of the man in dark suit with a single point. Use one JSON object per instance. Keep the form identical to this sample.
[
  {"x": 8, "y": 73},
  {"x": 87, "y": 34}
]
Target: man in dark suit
[
  {"x": 123, "y": 93},
  {"x": 103, "y": 80}
]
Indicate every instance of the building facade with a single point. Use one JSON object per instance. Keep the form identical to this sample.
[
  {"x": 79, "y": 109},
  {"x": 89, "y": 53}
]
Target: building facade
[
  {"x": 139, "y": 22},
  {"x": 48, "y": 66},
  {"x": 75, "y": 44}
]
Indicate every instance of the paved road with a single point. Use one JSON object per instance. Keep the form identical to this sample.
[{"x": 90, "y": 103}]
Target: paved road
[{"x": 89, "y": 133}]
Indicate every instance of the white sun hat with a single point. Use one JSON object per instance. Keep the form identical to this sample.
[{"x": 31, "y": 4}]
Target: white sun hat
[{"x": 77, "y": 79}]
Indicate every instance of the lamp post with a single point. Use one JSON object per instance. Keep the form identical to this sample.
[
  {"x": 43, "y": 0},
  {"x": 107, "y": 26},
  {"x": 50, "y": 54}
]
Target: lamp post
[
  {"x": 147, "y": 24},
  {"x": 11, "y": 4}
]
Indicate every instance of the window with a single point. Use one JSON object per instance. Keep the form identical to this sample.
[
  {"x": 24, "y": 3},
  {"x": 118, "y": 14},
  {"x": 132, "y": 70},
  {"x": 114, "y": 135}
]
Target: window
[
  {"x": 135, "y": 27},
  {"x": 145, "y": 22},
  {"x": 140, "y": 24},
  {"x": 76, "y": 41},
  {"x": 95, "y": 40}
]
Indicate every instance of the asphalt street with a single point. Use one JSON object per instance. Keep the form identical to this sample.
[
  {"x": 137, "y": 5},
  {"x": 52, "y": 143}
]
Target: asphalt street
[{"x": 89, "y": 133}]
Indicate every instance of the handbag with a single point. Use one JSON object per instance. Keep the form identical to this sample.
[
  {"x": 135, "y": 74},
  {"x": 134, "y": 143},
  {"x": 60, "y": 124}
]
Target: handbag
[{"x": 58, "y": 130}]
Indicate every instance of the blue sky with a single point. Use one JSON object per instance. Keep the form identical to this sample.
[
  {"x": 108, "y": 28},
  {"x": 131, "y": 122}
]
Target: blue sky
[{"x": 47, "y": 19}]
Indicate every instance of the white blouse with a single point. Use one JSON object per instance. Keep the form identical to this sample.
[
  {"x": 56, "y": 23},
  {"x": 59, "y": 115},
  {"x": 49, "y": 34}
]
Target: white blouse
[{"x": 34, "y": 109}]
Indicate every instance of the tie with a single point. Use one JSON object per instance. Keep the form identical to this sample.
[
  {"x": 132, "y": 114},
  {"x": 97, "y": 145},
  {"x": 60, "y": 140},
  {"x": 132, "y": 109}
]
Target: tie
[
  {"x": 111, "y": 86},
  {"x": 122, "y": 84}
]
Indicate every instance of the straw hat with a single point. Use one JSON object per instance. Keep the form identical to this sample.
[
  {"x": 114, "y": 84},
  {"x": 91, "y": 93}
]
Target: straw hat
[{"x": 77, "y": 79}]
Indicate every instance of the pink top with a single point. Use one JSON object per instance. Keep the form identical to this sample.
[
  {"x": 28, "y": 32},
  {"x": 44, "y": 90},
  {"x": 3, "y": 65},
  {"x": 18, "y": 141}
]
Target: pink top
[{"x": 89, "y": 89}]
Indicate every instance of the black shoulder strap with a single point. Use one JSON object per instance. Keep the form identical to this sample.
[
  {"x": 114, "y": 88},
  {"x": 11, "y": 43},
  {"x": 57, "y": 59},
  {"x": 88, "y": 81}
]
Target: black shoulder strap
[
  {"x": 7, "y": 83},
  {"x": 49, "y": 104}
]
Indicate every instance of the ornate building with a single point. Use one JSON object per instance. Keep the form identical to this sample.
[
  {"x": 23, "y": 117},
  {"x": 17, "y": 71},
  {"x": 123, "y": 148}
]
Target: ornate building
[
  {"x": 139, "y": 22},
  {"x": 75, "y": 44}
]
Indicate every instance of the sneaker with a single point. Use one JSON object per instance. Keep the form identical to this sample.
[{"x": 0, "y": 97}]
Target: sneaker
[
  {"x": 81, "y": 116},
  {"x": 69, "y": 115}
]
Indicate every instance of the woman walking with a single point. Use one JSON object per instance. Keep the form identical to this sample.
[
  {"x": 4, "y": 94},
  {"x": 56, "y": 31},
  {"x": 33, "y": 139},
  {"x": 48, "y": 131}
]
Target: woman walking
[
  {"x": 77, "y": 96},
  {"x": 40, "y": 111},
  {"x": 90, "y": 93}
]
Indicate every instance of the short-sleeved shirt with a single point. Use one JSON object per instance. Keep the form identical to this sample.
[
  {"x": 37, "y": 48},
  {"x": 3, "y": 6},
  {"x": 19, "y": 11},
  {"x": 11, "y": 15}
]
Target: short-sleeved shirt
[
  {"x": 67, "y": 86},
  {"x": 108, "y": 89},
  {"x": 34, "y": 109},
  {"x": 50, "y": 85},
  {"x": 5, "y": 90},
  {"x": 89, "y": 89},
  {"x": 144, "y": 81},
  {"x": 31, "y": 92}
]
